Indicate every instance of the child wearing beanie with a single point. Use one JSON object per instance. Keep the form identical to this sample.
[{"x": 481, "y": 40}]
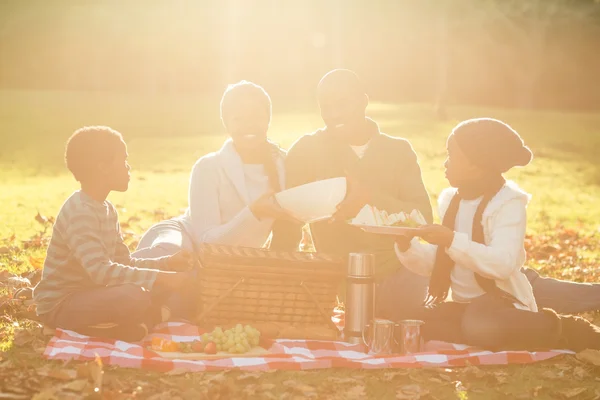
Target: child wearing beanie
[{"x": 478, "y": 252}]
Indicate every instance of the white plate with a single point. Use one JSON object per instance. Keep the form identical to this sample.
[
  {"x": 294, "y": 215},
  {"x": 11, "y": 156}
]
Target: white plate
[{"x": 388, "y": 230}]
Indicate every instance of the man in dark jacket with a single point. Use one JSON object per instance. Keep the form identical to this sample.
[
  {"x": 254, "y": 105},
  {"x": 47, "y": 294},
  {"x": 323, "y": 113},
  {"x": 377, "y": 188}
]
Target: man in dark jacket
[{"x": 382, "y": 171}]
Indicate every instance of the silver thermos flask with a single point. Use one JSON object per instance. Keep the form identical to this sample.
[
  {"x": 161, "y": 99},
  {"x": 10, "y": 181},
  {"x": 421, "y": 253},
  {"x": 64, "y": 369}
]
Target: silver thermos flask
[{"x": 360, "y": 295}]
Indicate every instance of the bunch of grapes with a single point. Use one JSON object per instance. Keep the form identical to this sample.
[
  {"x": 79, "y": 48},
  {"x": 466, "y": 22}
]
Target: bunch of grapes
[{"x": 236, "y": 340}]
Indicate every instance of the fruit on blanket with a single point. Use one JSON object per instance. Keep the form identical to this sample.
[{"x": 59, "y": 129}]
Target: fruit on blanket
[
  {"x": 197, "y": 346},
  {"x": 160, "y": 344},
  {"x": 238, "y": 339},
  {"x": 210, "y": 348}
]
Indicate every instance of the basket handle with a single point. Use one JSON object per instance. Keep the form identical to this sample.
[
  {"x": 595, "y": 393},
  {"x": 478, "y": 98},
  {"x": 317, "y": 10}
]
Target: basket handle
[{"x": 216, "y": 303}]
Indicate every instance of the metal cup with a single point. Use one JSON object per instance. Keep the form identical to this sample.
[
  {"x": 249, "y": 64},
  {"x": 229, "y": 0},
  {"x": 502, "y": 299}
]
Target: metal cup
[
  {"x": 410, "y": 341},
  {"x": 378, "y": 336}
]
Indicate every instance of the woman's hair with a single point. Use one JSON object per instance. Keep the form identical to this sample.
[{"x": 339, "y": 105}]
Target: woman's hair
[
  {"x": 270, "y": 152},
  {"x": 246, "y": 90}
]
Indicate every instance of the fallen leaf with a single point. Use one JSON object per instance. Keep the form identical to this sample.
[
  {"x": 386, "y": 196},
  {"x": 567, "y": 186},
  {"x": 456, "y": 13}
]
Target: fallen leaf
[
  {"x": 435, "y": 380},
  {"x": 536, "y": 391},
  {"x": 267, "y": 386},
  {"x": 570, "y": 393},
  {"x": 61, "y": 374},
  {"x": 580, "y": 373},
  {"x": 177, "y": 371},
  {"x": 193, "y": 394},
  {"x": 76, "y": 386},
  {"x": 388, "y": 376},
  {"x": 18, "y": 282},
  {"x": 478, "y": 372},
  {"x": 501, "y": 377},
  {"x": 23, "y": 337},
  {"x": 411, "y": 392},
  {"x": 47, "y": 394},
  {"x": 303, "y": 388},
  {"x": 341, "y": 381},
  {"x": 13, "y": 396},
  {"x": 249, "y": 375},
  {"x": 4, "y": 250},
  {"x": 589, "y": 356},
  {"x": 161, "y": 396},
  {"x": 445, "y": 377},
  {"x": 549, "y": 375},
  {"x": 36, "y": 262},
  {"x": 42, "y": 219},
  {"x": 249, "y": 390},
  {"x": 356, "y": 392}
]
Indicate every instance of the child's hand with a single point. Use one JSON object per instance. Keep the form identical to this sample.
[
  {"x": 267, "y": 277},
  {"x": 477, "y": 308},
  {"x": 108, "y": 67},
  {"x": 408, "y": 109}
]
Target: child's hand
[
  {"x": 172, "y": 280},
  {"x": 181, "y": 261},
  {"x": 436, "y": 234}
]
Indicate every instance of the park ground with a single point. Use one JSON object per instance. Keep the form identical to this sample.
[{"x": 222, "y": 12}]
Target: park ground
[{"x": 167, "y": 134}]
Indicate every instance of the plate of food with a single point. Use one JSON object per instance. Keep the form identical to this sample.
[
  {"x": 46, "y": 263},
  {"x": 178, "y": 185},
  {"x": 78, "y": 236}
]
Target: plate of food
[
  {"x": 238, "y": 341},
  {"x": 370, "y": 219}
]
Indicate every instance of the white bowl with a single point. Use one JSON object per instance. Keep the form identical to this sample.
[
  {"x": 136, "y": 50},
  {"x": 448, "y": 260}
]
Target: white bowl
[{"x": 313, "y": 201}]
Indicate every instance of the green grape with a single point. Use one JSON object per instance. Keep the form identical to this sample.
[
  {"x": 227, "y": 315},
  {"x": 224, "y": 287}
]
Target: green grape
[
  {"x": 239, "y": 348},
  {"x": 245, "y": 343},
  {"x": 231, "y": 349},
  {"x": 230, "y": 343},
  {"x": 219, "y": 347},
  {"x": 237, "y": 340},
  {"x": 244, "y": 335},
  {"x": 204, "y": 337},
  {"x": 218, "y": 331}
]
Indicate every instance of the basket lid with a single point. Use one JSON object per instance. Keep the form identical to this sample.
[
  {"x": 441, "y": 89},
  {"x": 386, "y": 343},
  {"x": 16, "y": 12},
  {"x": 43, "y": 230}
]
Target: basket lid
[{"x": 209, "y": 252}]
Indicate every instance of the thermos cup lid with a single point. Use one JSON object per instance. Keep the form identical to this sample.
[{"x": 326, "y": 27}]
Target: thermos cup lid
[{"x": 361, "y": 264}]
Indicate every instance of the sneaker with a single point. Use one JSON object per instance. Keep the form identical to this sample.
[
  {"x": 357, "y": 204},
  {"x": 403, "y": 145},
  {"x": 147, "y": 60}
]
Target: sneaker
[{"x": 579, "y": 334}]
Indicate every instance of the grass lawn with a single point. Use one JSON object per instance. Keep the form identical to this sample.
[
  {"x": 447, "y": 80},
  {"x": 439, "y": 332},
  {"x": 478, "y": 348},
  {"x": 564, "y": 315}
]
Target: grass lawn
[{"x": 167, "y": 134}]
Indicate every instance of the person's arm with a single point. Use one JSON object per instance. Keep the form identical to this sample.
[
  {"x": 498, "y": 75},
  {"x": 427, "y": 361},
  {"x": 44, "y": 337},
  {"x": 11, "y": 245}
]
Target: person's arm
[
  {"x": 298, "y": 171},
  {"x": 419, "y": 257},
  {"x": 123, "y": 256},
  {"x": 504, "y": 254},
  {"x": 412, "y": 194},
  {"x": 86, "y": 243},
  {"x": 205, "y": 210}
]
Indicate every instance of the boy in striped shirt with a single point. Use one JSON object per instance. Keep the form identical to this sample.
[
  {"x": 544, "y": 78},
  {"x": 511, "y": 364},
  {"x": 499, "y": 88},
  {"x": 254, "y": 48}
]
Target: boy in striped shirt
[{"x": 90, "y": 282}]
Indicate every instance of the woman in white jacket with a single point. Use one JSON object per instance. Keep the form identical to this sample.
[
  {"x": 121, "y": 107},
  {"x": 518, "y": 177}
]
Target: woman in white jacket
[
  {"x": 478, "y": 252},
  {"x": 231, "y": 191}
]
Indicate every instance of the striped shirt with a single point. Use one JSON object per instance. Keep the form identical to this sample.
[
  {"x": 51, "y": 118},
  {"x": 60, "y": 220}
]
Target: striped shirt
[{"x": 86, "y": 251}]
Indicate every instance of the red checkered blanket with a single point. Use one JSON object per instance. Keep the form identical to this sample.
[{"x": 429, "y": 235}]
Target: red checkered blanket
[{"x": 283, "y": 354}]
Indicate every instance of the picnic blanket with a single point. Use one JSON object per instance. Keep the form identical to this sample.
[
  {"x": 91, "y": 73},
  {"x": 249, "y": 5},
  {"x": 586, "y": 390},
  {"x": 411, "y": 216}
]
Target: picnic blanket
[{"x": 284, "y": 354}]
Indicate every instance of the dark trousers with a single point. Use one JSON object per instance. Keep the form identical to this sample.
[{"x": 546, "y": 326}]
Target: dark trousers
[
  {"x": 126, "y": 306},
  {"x": 492, "y": 323}
]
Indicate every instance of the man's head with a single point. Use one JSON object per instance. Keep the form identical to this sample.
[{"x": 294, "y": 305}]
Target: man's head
[
  {"x": 246, "y": 114},
  {"x": 342, "y": 98},
  {"x": 97, "y": 155}
]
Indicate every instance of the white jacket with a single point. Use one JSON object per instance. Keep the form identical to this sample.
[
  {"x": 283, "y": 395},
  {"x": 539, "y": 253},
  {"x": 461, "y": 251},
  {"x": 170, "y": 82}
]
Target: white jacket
[
  {"x": 219, "y": 203},
  {"x": 500, "y": 258}
]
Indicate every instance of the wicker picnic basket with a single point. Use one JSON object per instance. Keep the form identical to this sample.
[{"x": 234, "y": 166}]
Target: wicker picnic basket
[{"x": 257, "y": 285}]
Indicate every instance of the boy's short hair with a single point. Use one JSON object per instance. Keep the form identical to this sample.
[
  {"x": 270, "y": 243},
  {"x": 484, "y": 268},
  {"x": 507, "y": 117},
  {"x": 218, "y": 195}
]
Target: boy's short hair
[
  {"x": 89, "y": 146},
  {"x": 244, "y": 89}
]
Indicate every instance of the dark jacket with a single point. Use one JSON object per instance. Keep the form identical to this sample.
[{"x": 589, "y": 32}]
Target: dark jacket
[{"x": 389, "y": 169}]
